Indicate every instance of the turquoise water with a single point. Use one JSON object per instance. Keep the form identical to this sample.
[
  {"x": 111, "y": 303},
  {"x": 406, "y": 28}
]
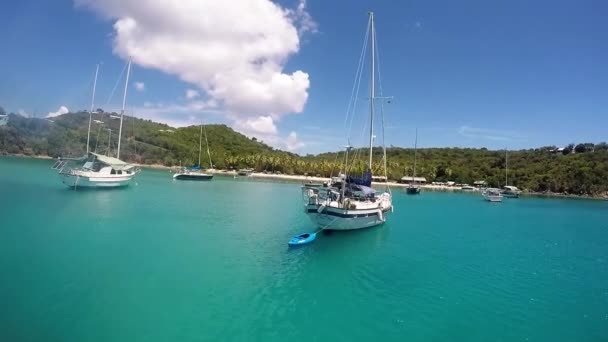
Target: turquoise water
[{"x": 187, "y": 261}]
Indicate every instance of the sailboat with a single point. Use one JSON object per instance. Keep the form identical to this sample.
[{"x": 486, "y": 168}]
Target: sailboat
[
  {"x": 194, "y": 172},
  {"x": 413, "y": 188},
  {"x": 349, "y": 202},
  {"x": 96, "y": 170},
  {"x": 509, "y": 190}
]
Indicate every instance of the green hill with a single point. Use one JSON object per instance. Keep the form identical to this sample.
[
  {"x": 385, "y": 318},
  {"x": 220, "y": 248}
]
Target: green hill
[
  {"x": 143, "y": 141},
  {"x": 580, "y": 169}
]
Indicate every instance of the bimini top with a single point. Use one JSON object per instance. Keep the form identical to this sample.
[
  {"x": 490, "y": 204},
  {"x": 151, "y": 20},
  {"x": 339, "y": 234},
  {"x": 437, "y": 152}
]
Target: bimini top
[
  {"x": 366, "y": 190},
  {"x": 115, "y": 163}
]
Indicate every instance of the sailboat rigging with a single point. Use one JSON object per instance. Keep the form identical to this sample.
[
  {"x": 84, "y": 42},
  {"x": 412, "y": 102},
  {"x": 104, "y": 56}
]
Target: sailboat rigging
[
  {"x": 349, "y": 202},
  {"x": 194, "y": 172},
  {"x": 413, "y": 188},
  {"x": 509, "y": 190},
  {"x": 96, "y": 170}
]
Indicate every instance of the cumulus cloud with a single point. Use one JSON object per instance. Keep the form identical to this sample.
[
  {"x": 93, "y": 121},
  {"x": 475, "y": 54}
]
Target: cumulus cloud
[
  {"x": 62, "y": 110},
  {"x": 235, "y": 51},
  {"x": 262, "y": 124},
  {"x": 191, "y": 94},
  {"x": 304, "y": 20},
  {"x": 292, "y": 143},
  {"x": 140, "y": 86}
]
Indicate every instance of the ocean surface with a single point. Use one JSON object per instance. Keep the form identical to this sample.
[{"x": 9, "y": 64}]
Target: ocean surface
[{"x": 168, "y": 260}]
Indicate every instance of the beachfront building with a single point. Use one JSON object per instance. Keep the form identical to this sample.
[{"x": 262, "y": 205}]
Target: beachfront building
[
  {"x": 410, "y": 179},
  {"x": 480, "y": 183},
  {"x": 379, "y": 179}
]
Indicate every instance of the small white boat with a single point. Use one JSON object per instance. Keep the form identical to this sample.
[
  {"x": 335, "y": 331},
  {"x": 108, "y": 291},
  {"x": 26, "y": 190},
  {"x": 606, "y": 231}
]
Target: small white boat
[
  {"x": 468, "y": 188},
  {"x": 245, "y": 172},
  {"x": 510, "y": 191},
  {"x": 492, "y": 195}
]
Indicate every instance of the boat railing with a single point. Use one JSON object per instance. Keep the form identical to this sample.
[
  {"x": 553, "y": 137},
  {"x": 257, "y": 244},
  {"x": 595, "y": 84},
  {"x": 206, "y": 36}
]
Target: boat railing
[{"x": 59, "y": 165}]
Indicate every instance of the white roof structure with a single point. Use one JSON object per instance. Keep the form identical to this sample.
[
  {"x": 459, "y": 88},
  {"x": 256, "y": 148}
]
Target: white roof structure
[
  {"x": 413, "y": 179},
  {"x": 115, "y": 163}
]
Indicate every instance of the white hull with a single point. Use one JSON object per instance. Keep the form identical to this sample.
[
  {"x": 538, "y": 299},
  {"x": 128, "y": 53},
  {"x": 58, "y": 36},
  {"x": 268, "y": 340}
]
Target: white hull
[
  {"x": 493, "y": 198},
  {"x": 328, "y": 219},
  {"x": 105, "y": 181}
]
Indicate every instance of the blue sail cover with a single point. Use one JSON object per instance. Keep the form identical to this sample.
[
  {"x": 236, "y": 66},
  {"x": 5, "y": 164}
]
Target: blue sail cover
[
  {"x": 365, "y": 180},
  {"x": 195, "y": 167}
]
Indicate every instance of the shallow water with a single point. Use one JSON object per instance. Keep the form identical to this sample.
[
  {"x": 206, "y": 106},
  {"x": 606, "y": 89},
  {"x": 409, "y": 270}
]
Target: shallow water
[{"x": 166, "y": 260}]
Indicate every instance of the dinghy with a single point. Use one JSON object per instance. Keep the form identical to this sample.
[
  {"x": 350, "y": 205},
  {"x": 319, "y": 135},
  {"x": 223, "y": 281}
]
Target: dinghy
[{"x": 302, "y": 239}]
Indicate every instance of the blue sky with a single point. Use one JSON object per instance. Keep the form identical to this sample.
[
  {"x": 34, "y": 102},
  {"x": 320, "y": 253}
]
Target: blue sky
[{"x": 493, "y": 74}]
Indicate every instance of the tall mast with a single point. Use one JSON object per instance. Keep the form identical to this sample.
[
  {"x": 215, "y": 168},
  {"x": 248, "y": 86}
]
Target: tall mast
[
  {"x": 109, "y": 141},
  {"x": 207, "y": 143},
  {"x": 124, "y": 102},
  {"x": 92, "y": 106},
  {"x": 372, "y": 90},
  {"x": 200, "y": 142},
  {"x": 415, "y": 150},
  {"x": 506, "y": 168}
]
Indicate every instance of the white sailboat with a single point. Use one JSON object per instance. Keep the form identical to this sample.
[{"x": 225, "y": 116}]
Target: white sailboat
[
  {"x": 95, "y": 170},
  {"x": 349, "y": 202},
  {"x": 195, "y": 173},
  {"x": 413, "y": 188},
  {"x": 492, "y": 195},
  {"x": 509, "y": 191}
]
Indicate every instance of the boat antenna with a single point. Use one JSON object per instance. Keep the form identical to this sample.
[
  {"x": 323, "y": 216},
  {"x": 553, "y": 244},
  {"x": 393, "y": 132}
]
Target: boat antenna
[
  {"x": 92, "y": 107},
  {"x": 122, "y": 111},
  {"x": 207, "y": 143},
  {"x": 372, "y": 90}
]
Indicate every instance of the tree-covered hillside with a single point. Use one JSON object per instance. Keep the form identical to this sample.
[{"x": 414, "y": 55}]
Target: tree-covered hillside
[{"x": 580, "y": 169}]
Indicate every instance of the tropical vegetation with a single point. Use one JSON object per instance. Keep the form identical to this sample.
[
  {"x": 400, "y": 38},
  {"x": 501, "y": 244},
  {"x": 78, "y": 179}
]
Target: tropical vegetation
[{"x": 575, "y": 169}]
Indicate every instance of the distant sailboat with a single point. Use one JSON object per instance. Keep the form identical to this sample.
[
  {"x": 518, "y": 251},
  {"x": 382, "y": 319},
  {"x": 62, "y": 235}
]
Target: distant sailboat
[
  {"x": 509, "y": 190},
  {"x": 413, "y": 188},
  {"x": 96, "y": 170},
  {"x": 194, "y": 172},
  {"x": 492, "y": 195}
]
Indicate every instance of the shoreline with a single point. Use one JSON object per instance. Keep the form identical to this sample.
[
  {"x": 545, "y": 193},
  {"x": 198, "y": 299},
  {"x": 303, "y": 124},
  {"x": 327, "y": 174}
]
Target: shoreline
[{"x": 311, "y": 179}]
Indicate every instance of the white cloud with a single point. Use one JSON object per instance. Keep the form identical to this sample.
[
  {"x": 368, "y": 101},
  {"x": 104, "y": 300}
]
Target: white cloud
[
  {"x": 191, "y": 94},
  {"x": 235, "y": 51},
  {"x": 292, "y": 143},
  {"x": 304, "y": 20},
  {"x": 62, "y": 110},
  {"x": 262, "y": 124},
  {"x": 140, "y": 86},
  {"x": 179, "y": 114},
  {"x": 23, "y": 113}
]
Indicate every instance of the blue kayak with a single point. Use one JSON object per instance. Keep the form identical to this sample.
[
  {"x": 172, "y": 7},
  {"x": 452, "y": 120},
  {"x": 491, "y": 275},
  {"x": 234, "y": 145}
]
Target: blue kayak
[{"x": 302, "y": 239}]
